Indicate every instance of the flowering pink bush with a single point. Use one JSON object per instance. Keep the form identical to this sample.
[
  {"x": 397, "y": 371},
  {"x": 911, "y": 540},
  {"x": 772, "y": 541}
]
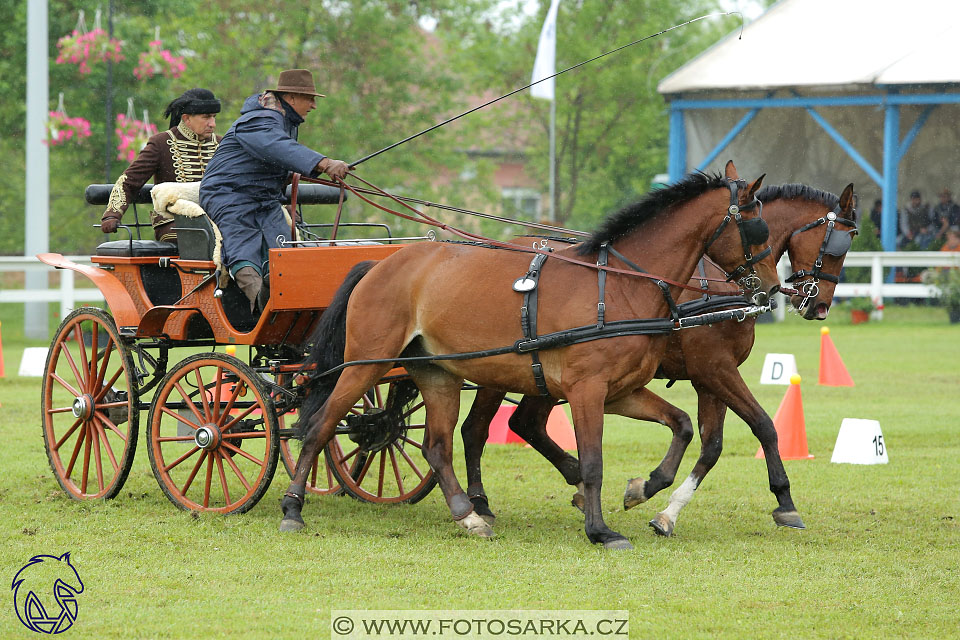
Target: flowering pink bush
[
  {"x": 133, "y": 135},
  {"x": 61, "y": 128},
  {"x": 156, "y": 60},
  {"x": 84, "y": 49}
]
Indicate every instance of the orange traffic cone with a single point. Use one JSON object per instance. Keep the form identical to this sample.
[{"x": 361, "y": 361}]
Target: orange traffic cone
[
  {"x": 791, "y": 429},
  {"x": 832, "y": 371},
  {"x": 500, "y": 432},
  {"x": 560, "y": 431},
  {"x": 2, "y": 374}
]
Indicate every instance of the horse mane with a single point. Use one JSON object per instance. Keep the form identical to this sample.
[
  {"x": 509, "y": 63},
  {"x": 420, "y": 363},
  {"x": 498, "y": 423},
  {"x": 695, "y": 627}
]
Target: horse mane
[
  {"x": 622, "y": 222},
  {"x": 797, "y": 191}
]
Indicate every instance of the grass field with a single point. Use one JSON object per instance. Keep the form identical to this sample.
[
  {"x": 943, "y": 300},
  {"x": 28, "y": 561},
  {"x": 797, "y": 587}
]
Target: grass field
[{"x": 880, "y": 556}]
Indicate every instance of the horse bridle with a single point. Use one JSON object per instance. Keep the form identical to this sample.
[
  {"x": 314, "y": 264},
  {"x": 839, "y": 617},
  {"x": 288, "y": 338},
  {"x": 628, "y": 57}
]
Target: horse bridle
[
  {"x": 835, "y": 243},
  {"x": 752, "y": 232}
]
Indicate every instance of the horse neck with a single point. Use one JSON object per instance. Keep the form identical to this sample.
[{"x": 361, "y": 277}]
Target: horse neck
[
  {"x": 786, "y": 216},
  {"x": 677, "y": 236}
]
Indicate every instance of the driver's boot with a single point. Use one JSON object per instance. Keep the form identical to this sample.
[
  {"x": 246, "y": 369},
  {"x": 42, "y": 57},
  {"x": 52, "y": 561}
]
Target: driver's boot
[{"x": 250, "y": 282}]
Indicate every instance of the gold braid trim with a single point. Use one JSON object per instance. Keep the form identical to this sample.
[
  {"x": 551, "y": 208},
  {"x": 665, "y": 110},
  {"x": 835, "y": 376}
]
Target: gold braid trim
[
  {"x": 118, "y": 197},
  {"x": 190, "y": 157}
]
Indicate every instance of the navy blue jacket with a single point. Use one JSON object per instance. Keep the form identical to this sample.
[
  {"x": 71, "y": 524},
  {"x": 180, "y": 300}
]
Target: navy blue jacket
[{"x": 244, "y": 181}]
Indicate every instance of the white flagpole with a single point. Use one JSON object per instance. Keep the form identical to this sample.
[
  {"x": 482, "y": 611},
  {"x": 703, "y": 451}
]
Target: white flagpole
[{"x": 543, "y": 66}]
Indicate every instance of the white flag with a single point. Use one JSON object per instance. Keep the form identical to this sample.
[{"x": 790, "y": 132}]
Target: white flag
[{"x": 546, "y": 63}]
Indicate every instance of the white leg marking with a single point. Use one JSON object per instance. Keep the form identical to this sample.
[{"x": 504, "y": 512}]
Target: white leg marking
[{"x": 680, "y": 498}]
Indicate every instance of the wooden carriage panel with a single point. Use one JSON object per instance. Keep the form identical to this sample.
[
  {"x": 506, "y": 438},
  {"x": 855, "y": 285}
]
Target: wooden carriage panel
[
  {"x": 307, "y": 277},
  {"x": 126, "y": 312}
]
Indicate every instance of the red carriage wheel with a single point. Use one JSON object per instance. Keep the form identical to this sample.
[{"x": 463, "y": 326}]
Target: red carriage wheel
[
  {"x": 376, "y": 454},
  {"x": 89, "y": 406},
  {"x": 214, "y": 439}
]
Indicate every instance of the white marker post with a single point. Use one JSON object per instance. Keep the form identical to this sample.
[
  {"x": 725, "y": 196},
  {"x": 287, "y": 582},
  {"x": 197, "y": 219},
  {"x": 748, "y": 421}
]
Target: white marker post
[
  {"x": 777, "y": 368},
  {"x": 33, "y": 362},
  {"x": 860, "y": 442}
]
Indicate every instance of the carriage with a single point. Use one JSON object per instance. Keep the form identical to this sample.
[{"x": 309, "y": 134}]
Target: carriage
[{"x": 217, "y": 425}]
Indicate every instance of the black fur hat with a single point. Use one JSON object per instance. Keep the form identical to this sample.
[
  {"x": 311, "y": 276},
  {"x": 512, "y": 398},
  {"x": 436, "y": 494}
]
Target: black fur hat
[{"x": 192, "y": 101}]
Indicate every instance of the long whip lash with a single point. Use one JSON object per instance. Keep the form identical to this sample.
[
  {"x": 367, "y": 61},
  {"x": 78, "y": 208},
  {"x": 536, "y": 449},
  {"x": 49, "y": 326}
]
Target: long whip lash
[{"x": 579, "y": 64}]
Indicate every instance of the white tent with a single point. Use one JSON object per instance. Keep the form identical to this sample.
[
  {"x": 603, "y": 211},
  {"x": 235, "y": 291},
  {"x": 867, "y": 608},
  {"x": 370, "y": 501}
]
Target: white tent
[{"x": 828, "y": 92}]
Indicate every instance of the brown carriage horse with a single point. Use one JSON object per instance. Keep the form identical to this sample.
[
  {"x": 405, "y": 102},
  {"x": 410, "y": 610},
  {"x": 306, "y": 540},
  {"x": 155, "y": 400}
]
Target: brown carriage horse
[
  {"x": 815, "y": 228},
  {"x": 431, "y": 299}
]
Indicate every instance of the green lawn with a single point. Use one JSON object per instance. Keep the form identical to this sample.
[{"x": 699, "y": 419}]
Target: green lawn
[{"x": 880, "y": 556}]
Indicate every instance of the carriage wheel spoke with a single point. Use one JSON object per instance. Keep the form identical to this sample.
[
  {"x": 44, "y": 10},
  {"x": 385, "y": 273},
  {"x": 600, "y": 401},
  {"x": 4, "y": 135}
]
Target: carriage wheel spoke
[
  {"x": 76, "y": 451},
  {"x": 179, "y": 418},
  {"x": 207, "y": 482},
  {"x": 65, "y": 350},
  {"x": 102, "y": 433},
  {"x": 396, "y": 469},
  {"x": 410, "y": 462},
  {"x": 103, "y": 390},
  {"x": 188, "y": 401},
  {"x": 383, "y": 461},
  {"x": 94, "y": 345},
  {"x": 95, "y": 437},
  {"x": 65, "y": 385},
  {"x": 236, "y": 470},
  {"x": 181, "y": 459},
  {"x": 237, "y": 419},
  {"x": 202, "y": 396},
  {"x": 59, "y": 410},
  {"x": 86, "y": 458},
  {"x": 363, "y": 472},
  {"x": 193, "y": 474},
  {"x": 84, "y": 364},
  {"x": 59, "y": 443},
  {"x": 414, "y": 443},
  {"x": 412, "y": 410},
  {"x": 109, "y": 423},
  {"x": 215, "y": 405},
  {"x": 237, "y": 388},
  {"x": 223, "y": 479},
  {"x": 242, "y": 452},
  {"x": 102, "y": 370}
]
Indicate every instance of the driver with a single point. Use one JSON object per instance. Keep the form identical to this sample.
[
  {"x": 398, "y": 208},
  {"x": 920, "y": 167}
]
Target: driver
[{"x": 244, "y": 182}]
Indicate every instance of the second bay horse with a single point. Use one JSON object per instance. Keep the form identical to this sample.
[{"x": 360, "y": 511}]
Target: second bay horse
[{"x": 432, "y": 299}]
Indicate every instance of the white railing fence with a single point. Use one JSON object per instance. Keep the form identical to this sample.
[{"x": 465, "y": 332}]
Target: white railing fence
[{"x": 67, "y": 294}]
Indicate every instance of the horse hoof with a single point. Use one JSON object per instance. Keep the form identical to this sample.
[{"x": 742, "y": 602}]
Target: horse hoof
[
  {"x": 287, "y": 525},
  {"x": 577, "y": 501},
  {"x": 476, "y": 526},
  {"x": 662, "y": 525},
  {"x": 789, "y": 519},
  {"x": 619, "y": 543},
  {"x": 489, "y": 519},
  {"x": 634, "y": 493}
]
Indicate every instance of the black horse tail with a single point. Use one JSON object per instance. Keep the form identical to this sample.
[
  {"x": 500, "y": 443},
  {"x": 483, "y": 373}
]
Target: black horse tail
[{"x": 326, "y": 346}]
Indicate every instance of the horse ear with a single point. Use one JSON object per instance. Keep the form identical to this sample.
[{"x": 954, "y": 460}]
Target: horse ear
[
  {"x": 756, "y": 185},
  {"x": 730, "y": 171},
  {"x": 846, "y": 199}
]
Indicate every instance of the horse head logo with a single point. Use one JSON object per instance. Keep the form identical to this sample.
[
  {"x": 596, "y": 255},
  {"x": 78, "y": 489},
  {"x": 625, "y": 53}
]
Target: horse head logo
[{"x": 32, "y": 588}]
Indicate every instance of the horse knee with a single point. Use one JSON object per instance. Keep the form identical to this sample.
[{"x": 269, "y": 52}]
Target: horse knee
[{"x": 684, "y": 428}]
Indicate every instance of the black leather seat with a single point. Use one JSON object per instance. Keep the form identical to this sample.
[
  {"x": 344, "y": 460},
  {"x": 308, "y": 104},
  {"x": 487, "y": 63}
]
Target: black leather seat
[{"x": 136, "y": 249}]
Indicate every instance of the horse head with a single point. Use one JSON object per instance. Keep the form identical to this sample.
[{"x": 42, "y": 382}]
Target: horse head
[
  {"x": 816, "y": 252},
  {"x": 742, "y": 239}
]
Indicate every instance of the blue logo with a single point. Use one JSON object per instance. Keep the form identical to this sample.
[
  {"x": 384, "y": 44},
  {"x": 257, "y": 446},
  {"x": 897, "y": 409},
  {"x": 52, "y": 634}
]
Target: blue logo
[{"x": 32, "y": 587}]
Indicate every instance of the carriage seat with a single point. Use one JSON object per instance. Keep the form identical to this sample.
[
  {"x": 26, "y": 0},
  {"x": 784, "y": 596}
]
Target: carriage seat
[{"x": 136, "y": 249}]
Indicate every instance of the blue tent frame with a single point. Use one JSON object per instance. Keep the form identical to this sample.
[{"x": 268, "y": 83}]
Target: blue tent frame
[{"x": 894, "y": 149}]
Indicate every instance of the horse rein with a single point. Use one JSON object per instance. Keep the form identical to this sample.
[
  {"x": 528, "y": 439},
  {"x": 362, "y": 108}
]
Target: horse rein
[
  {"x": 835, "y": 243},
  {"x": 733, "y": 185}
]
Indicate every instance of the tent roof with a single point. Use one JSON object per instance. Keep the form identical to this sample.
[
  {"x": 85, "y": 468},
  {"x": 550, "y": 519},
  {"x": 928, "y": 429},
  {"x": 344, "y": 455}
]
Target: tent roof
[{"x": 837, "y": 44}]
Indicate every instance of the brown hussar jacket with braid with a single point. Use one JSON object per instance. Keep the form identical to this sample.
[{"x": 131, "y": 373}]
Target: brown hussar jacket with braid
[{"x": 175, "y": 155}]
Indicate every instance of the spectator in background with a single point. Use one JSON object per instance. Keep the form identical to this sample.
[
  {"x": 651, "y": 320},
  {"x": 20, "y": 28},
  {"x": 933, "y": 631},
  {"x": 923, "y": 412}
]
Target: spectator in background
[
  {"x": 876, "y": 216},
  {"x": 952, "y": 242},
  {"x": 948, "y": 212},
  {"x": 917, "y": 223}
]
